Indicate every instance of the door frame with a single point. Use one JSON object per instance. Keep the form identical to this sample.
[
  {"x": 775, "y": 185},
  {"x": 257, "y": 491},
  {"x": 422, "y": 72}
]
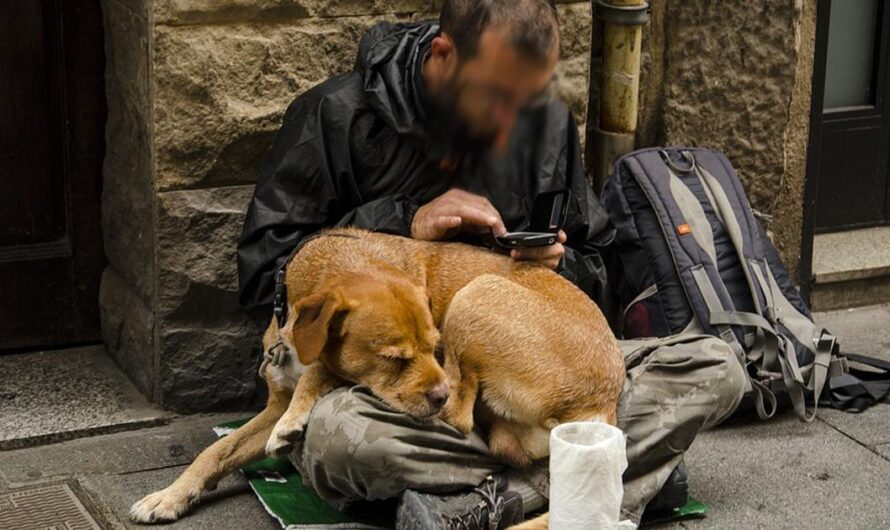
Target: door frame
[
  {"x": 818, "y": 126},
  {"x": 811, "y": 182}
]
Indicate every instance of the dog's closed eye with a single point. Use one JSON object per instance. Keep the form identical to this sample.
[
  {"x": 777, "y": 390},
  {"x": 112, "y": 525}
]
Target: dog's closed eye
[
  {"x": 440, "y": 353},
  {"x": 394, "y": 352}
]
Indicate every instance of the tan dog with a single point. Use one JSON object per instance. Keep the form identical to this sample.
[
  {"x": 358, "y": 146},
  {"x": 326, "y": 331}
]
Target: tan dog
[{"x": 368, "y": 308}]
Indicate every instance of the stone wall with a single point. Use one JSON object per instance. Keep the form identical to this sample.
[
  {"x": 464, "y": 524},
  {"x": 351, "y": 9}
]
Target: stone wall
[
  {"x": 735, "y": 76},
  {"x": 196, "y": 91}
]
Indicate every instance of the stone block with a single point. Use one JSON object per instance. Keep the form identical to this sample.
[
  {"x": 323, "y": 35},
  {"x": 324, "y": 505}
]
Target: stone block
[
  {"x": 128, "y": 190},
  {"x": 222, "y": 90},
  {"x": 194, "y": 12},
  {"x": 728, "y": 84},
  {"x": 127, "y": 329},
  {"x": 204, "y": 12},
  {"x": 572, "y": 70},
  {"x": 209, "y": 348}
]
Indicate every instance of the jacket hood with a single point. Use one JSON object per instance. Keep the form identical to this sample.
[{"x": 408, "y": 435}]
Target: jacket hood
[{"x": 390, "y": 57}]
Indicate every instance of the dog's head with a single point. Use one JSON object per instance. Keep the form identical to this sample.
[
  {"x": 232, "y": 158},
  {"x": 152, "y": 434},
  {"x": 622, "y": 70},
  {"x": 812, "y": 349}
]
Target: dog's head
[{"x": 375, "y": 330}]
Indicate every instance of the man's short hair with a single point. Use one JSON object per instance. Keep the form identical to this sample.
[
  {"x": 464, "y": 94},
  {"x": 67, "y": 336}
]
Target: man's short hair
[{"x": 531, "y": 25}]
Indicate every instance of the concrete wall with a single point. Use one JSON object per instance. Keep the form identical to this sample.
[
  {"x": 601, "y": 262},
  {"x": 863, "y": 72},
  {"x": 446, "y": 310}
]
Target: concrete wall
[{"x": 196, "y": 91}]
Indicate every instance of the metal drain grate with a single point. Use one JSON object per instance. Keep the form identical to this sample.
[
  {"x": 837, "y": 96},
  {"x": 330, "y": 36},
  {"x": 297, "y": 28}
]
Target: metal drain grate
[{"x": 44, "y": 508}]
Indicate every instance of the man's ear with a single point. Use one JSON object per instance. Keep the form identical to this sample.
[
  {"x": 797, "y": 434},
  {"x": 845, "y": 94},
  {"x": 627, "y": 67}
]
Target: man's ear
[
  {"x": 309, "y": 327},
  {"x": 442, "y": 49}
]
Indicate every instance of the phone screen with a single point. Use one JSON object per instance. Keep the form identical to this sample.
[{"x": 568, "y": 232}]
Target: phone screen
[{"x": 549, "y": 211}]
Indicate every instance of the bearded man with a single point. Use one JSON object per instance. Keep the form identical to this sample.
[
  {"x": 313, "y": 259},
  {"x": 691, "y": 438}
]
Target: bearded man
[{"x": 447, "y": 131}]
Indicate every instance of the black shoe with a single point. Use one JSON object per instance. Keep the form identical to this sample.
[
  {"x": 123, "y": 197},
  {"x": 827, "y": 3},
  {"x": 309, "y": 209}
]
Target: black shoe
[
  {"x": 674, "y": 494},
  {"x": 487, "y": 507}
]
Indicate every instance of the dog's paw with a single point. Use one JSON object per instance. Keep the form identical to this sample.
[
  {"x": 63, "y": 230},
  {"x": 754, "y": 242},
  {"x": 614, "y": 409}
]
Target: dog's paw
[
  {"x": 278, "y": 447},
  {"x": 281, "y": 441},
  {"x": 460, "y": 421},
  {"x": 163, "y": 506}
]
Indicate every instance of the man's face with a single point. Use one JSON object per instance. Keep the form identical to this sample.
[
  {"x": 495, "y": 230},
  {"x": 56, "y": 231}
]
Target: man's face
[{"x": 487, "y": 91}]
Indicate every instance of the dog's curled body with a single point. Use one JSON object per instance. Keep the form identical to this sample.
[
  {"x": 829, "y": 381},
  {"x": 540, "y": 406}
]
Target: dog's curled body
[{"x": 375, "y": 309}]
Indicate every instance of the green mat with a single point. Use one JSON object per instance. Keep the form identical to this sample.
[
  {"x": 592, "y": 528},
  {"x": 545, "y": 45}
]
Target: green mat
[
  {"x": 296, "y": 507},
  {"x": 692, "y": 510}
]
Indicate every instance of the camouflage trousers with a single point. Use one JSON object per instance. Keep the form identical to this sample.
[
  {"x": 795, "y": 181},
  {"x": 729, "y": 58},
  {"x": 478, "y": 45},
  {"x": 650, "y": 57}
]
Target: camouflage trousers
[{"x": 357, "y": 448}]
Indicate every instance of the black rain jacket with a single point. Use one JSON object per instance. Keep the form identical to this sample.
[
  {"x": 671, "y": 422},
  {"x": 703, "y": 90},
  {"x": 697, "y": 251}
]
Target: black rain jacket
[{"x": 363, "y": 149}]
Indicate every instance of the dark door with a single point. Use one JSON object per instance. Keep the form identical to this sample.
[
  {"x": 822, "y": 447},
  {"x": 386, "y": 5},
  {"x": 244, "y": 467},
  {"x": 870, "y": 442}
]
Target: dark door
[
  {"x": 853, "y": 163},
  {"x": 52, "y": 116}
]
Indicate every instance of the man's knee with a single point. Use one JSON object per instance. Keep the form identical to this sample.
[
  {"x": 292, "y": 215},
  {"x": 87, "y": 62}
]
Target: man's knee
[
  {"x": 342, "y": 435},
  {"x": 728, "y": 377},
  {"x": 699, "y": 379}
]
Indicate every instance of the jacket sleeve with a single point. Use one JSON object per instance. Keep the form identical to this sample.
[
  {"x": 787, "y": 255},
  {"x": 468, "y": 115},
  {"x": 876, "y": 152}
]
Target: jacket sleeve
[
  {"x": 587, "y": 227},
  {"x": 307, "y": 184},
  {"x": 295, "y": 196},
  {"x": 392, "y": 214}
]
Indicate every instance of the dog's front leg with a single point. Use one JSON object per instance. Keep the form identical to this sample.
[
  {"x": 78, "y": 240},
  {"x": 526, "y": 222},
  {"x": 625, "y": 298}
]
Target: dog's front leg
[
  {"x": 227, "y": 454},
  {"x": 458, "y": 410},
  {"x": 315, "y": 382}
]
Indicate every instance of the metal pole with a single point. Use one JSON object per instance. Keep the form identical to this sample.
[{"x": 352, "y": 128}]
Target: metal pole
[{"x": 620, "y": 87}]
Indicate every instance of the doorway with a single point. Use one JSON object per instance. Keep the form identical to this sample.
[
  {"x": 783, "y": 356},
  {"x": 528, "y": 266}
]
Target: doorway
[
  {"x": 52, "y": 122},
  {"x": 853, "y": 185}
]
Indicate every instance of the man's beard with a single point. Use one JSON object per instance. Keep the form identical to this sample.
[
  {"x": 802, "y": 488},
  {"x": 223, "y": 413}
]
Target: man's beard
[{"x": 464, "y": 143}]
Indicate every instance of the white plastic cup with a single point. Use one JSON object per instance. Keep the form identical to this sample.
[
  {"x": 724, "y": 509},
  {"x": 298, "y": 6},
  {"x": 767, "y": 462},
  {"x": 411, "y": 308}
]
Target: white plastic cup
[{"x": 587, "y": 460}]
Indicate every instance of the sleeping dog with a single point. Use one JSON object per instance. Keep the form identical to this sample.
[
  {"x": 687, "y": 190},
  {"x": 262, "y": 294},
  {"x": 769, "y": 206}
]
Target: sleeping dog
[{"x": 374, "y": 309}]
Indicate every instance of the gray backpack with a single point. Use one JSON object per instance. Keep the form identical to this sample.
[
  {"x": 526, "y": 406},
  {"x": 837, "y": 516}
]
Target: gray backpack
[{"x": 692, "y": 258}]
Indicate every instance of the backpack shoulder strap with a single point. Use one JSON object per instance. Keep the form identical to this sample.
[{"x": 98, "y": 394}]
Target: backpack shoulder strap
[{"x": 777, "y": 323}]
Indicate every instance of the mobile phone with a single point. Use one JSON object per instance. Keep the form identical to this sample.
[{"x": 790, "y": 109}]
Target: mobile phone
[
  {"x": 525, "y": 239},
  {"x": 548, "y": 217}
]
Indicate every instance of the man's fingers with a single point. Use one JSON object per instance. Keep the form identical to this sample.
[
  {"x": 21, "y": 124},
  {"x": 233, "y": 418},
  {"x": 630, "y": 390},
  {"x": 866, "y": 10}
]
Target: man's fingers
[
  {"x": 447, "y": 222},
  {"x": 498, "y": 228},
  {"x": 442, "y": 225},
  {"x": 561, "y": 237},
  {"x": 454, "y": 211},
  {"x": 483, "y": 205},
  {"x": 475, "y": 216},
  {"x": 554, "y": 251}
]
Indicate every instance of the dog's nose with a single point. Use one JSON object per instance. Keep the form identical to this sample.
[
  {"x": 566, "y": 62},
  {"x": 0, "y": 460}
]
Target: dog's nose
[{"x": 438, "y": 396}]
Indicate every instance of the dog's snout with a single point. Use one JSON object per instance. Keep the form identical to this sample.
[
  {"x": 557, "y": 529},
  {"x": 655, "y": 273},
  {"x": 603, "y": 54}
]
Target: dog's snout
[{"x": 438, "y": 395}]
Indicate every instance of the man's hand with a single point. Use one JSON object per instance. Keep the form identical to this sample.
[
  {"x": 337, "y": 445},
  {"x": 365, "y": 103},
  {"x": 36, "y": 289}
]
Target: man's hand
[
  {"x": 548, "y": 256},
  {"x": 455, "y": 211}
]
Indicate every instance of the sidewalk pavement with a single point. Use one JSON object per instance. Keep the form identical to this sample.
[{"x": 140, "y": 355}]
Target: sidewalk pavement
[{"x": 112, "y": 448}]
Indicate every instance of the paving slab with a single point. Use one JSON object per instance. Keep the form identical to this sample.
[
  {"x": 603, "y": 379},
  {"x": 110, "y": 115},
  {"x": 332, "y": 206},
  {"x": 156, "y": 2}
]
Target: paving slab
[
  {"x": 58, "y": 395},
  {"x": 785, "y": 474},
  {"x": 870, "y": 428},
  {"x": 231, "y": 505},
  {"x": 174, "y": 444},
  {"x": 863, "y": 330}
]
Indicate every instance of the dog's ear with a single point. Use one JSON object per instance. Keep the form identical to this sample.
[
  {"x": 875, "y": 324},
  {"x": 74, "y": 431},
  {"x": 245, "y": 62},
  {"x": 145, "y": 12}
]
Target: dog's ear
[{"x": 309, "y": 328}]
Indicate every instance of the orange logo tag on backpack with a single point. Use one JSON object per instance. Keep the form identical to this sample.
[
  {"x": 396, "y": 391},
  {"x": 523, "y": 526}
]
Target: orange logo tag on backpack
[{"x": 684, "y": 229}]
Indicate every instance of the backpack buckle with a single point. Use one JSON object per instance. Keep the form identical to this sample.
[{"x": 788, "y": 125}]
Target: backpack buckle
[{"x": 825, "y": 342}]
